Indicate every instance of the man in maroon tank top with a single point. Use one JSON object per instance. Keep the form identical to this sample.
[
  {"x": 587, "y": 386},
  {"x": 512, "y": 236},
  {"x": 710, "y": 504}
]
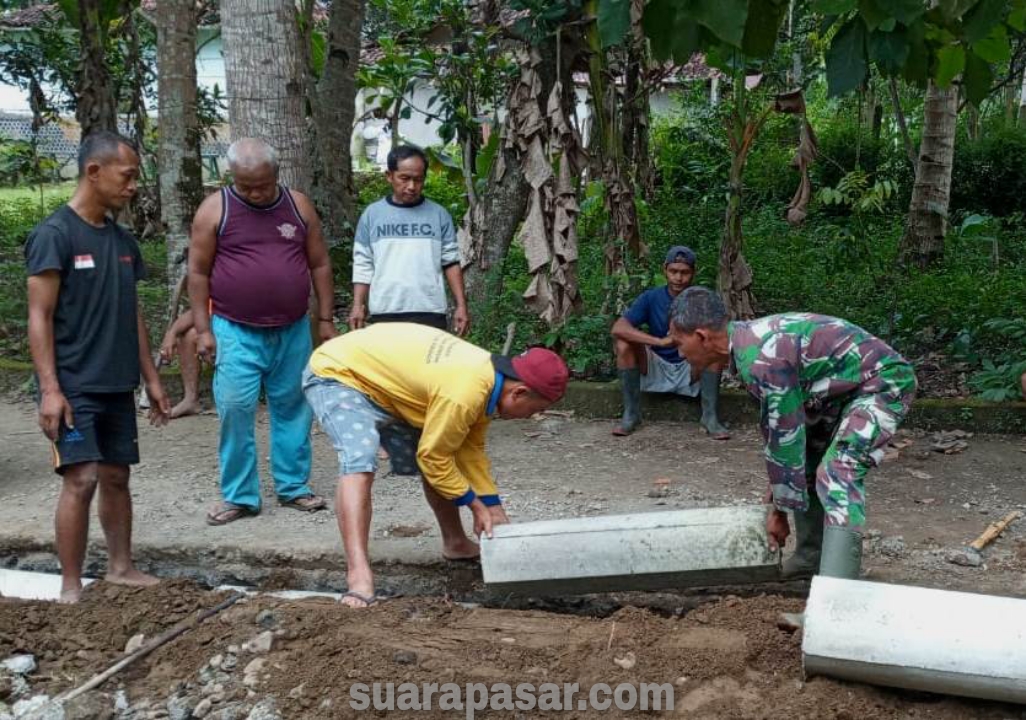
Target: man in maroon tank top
[{"x": 255, "y": 248}]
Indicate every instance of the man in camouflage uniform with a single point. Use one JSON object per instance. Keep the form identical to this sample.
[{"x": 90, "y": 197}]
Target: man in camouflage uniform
[{"x": 831, "y": 397}]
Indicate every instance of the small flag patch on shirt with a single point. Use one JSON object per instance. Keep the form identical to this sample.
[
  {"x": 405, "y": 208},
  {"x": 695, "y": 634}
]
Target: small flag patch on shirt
[{"x": 84, "y": 262}]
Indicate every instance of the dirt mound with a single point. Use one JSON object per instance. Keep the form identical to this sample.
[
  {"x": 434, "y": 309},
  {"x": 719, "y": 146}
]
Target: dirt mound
[
  {"x": 726, "y": 660},
  {"x": 74, "y": 641}
]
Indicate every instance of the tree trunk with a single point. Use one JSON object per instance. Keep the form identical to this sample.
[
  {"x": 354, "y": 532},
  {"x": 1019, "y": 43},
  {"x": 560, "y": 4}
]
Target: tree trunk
[
  {"x": 734, "y": 278},
  {"x": 636, "y": 107},
  {"x": 266, "y": 81},
  {"x": 796, "y": 75},
  {"x": 181, "y": 170},
  {"x": 608, "y": 142},
  {"x": 503, "y": 203},
  {"x": 899, "y": 115},
  {"x": 489, "y": 227},
  {"x": 333, "y": 104},
  {"x": 393, "y": 120},
  {"x": 1022, "y": 99},
  {"x": 923, "y": 243},
  {"x": 95, "y": 108}
]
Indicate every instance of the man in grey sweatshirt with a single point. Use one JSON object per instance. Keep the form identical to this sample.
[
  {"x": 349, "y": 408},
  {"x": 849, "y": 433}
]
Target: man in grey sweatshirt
[{"x": 405, "y": 252}]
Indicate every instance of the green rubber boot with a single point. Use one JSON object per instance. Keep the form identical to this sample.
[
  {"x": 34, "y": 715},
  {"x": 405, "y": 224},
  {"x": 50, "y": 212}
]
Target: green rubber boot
[
  {"x": 842, "y": 553},
  {"x": 710, "y": 397},
  {"x": 630, "y": 384},
  {"x": 841, "y": 558},
  {"x": 808, "y": 526}
]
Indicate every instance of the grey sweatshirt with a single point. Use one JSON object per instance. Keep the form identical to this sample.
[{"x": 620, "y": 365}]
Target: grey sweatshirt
[{"x": 401, "y": 251}]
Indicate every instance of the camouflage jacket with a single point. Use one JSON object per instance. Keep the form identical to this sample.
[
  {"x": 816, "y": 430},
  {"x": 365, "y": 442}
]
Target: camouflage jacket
[{"x": 804, "y": 369}]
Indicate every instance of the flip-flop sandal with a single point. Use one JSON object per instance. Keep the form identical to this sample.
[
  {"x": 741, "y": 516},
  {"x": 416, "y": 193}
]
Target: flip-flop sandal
[
  {"x": 305, "y": 503},
  {"x": 229, "y": 513},
  {"x": 367, "y": 600}
]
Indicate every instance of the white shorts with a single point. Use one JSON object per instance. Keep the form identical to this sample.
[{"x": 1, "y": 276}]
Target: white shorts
[{"x": 664, "y": 376}]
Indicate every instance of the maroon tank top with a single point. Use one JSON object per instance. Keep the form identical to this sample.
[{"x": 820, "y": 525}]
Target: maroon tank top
[{"x": 260, "y": 275}]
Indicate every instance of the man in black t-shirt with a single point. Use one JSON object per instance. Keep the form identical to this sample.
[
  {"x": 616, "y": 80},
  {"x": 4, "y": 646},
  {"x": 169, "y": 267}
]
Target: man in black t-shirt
[{"x": 89, "y": 346}]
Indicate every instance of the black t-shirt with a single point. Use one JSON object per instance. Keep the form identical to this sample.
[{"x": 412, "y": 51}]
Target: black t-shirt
[{"x": 96, "y": 335}]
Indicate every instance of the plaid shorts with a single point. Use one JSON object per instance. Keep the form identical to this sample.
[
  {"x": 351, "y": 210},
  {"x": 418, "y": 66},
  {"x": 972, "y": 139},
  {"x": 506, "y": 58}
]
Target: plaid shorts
[{"x": 358, "y": 427}]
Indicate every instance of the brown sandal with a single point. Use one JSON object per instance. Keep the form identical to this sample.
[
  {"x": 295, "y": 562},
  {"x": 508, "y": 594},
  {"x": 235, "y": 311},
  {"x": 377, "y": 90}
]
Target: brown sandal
[
  {"x": 229, "y": 512},
  {"x": 305, "y": 503}
]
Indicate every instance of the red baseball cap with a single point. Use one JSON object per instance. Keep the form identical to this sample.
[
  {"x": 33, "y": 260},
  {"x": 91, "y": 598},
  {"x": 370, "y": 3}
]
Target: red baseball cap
[{"x": 540, "y": 369}]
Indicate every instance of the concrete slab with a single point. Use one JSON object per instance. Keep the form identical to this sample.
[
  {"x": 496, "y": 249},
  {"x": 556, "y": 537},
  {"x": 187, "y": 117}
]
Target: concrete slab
[
  {"x": 643, "y": 551},
  {"x": 917, "y": 638},
  {"x": 32, "y": 585},
  {"x": 45, "y": 586}
]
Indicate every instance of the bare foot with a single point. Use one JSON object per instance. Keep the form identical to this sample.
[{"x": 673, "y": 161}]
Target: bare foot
[
  {"x": 70, "y": 596},
  {"x": 186, "y": 408},
  {"x": 133, "y": 577},
  {"x": 465, "y": 549}
]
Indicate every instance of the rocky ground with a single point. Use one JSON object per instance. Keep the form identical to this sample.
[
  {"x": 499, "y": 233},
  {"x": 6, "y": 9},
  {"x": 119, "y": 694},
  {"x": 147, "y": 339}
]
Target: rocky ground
[{"x": 266, "y": 658}]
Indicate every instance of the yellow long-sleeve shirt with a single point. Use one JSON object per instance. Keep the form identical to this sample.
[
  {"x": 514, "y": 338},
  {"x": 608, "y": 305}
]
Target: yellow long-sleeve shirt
[{"x": 431, "y": 380}]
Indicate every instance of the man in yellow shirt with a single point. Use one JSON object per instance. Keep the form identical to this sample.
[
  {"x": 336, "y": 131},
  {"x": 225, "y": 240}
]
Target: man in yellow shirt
[{"x": 427, "y": 397}]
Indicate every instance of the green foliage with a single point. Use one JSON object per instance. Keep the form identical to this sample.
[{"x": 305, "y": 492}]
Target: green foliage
[
  {"x": 439, "y": 187},
  {"x": 18, "y": 215},
  {"x": 769, "y": 176},
  {"x": 981, "y": 228},
  {"x": 395, "y": 73},
  {"x": 21, "y": 163},
  {"x": 614, "y": 20},
  {"x": 840, "y": 262},
  {"x": 846, "y": 58},
  {"x": 990, "y": 173},
  {"x": 42, "y": 57},
  {"x": 901, "y": 38},
  {"x": 999, "y": 377},
  {"x": 43, "y": 61},
  {"x": 904, "y": 40},
  {"x": 467, "y": 65},
  {"x": 854, "y": 191}
]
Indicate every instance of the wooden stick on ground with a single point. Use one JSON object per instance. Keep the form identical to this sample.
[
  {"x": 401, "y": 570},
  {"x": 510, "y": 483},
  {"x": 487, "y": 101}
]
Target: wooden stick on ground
[
  {"x": 511, "y": 330},
  {"x": 994, "y": 529},
  {"x": 162, "y": 639}
]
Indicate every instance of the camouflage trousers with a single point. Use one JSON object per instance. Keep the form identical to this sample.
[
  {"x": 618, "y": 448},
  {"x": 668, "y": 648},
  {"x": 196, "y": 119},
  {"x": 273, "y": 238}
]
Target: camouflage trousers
[{"x": 842, "y": 447}]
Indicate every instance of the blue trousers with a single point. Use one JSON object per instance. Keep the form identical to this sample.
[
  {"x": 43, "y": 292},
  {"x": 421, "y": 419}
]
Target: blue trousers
[{"x": 247, "y": 358}]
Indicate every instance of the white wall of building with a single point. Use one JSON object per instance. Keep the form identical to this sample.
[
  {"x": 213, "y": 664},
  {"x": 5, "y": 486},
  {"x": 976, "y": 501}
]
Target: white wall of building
[{"x": 419, "y": 128}]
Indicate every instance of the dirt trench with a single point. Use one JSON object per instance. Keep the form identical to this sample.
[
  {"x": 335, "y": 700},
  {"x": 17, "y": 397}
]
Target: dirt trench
[{"x": 724, "y": 656}]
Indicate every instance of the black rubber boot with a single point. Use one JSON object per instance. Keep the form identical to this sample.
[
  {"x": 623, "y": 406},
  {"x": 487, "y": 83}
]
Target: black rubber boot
[
  {"x": 710, "y": 396},
  {"x": 808, "y": 535},
  {"x": 630, "y": 384}
]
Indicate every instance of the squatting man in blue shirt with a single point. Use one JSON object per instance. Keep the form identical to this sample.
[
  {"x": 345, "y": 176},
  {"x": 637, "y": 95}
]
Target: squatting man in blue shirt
[{"x": 649, "y": 362}]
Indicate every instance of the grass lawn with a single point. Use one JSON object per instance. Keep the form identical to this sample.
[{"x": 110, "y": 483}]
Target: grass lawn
[{"x": 60, "y": 191}]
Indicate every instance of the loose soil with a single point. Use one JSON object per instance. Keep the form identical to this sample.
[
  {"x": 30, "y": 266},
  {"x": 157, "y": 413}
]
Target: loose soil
[{"x": 726, "y": 660}]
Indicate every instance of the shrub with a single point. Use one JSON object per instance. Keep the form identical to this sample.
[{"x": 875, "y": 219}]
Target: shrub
[
  {"x": 18, "y": 216},
  {"x": 999, "y": 378},
  {"x": 439, "y": 186},
  {"x": 990, "y": 173}
]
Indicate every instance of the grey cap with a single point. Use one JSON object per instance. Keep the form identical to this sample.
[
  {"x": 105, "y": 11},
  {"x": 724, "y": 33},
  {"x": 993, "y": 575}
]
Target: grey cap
[{"x": 681, "y": 253}]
